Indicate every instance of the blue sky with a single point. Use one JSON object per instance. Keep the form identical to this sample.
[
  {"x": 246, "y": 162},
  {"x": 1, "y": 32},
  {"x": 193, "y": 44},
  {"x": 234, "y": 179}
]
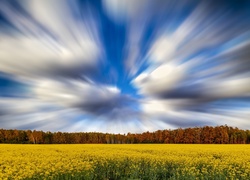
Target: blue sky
[{"x": 124, "y": 66}]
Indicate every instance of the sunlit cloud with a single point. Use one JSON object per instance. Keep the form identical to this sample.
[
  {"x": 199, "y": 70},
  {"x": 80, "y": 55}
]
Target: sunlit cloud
[{"x": 48, "y": 40}]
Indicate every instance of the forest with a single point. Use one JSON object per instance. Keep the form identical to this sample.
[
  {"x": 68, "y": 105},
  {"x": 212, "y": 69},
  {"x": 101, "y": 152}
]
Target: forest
[{"x": 196, "y": 135}]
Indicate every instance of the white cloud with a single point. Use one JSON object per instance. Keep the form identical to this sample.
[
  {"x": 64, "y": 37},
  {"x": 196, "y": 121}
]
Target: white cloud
[
  {"x": 158, "y": 107},
  {"x": 160, "y": 80},
  {"x": 29, "y": 56},
  {"x": 50, "y": 42},
  {"x": 79, "y": 94},
  {"x": 163, "y": 50},
  {"x": 120, "y": 10},
  {"x": 226, "y": 88}
]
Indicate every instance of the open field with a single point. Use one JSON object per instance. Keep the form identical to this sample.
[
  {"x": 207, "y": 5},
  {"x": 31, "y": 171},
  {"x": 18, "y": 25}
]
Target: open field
[{"x": 149, "y": 161}]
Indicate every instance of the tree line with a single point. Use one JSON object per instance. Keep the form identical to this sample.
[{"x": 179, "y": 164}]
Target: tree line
[{"x": 196, "y": 135}]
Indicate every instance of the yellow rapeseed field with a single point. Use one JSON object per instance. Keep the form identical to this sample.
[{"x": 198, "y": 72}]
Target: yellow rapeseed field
[{"x": 149, "y": 161}]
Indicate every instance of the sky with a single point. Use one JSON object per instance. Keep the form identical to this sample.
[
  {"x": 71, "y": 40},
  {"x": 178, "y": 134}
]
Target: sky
[{"x": 122, "y": 66}]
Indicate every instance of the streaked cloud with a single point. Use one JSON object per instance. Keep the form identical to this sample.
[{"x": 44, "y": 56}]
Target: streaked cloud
[{"x": 49, "y": 40}]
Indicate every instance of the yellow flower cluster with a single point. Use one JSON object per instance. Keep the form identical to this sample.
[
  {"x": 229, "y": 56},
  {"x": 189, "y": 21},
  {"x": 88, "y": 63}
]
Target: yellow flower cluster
[{"x": 149, "y": 161}]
